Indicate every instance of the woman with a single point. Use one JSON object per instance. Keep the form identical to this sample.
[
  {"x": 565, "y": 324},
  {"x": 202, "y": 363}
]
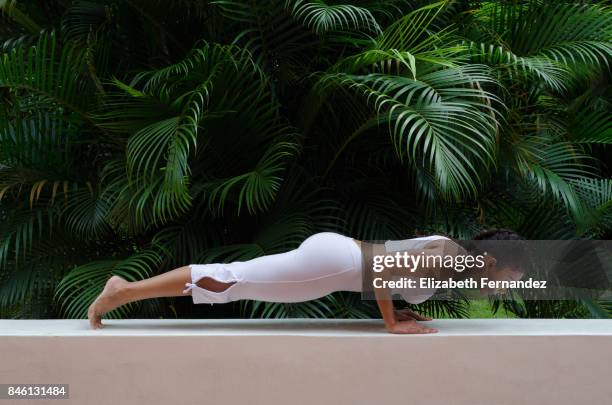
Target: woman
[{"x": 324, "y": 263}]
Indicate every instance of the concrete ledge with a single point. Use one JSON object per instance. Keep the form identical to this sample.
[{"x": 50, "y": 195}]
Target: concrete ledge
[
  {"x": 312, "y": 362},
  {"x": 302, "y": 327}
]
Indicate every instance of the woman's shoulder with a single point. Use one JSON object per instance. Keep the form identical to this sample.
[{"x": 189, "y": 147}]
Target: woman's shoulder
[
  {"x": 412, "y": 243},
  {"x": 430, "y": 237},
  {"x": 421, "y": 242}
]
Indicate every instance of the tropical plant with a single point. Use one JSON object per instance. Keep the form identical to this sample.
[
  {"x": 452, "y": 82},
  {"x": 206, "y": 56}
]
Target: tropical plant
[{"x": 139, "y": 136}]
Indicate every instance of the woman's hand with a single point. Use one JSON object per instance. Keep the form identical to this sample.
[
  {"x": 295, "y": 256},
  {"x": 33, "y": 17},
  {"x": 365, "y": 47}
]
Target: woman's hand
[
  {"x": 409, "y": 327},
  {"x": 402, "y": 321},
  {"x": 408, "y": 315}
]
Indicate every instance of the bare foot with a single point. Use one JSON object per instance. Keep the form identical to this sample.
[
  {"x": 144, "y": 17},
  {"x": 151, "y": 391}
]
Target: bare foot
[{"x": 110, "y": 298}]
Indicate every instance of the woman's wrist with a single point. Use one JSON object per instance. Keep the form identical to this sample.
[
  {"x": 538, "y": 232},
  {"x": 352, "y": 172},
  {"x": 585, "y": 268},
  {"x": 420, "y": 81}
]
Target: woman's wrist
[{"x": 390, "y": 322}]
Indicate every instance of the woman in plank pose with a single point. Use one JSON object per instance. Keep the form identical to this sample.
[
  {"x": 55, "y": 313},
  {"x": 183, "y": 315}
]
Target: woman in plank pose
[{"x": 323, "y": 263}]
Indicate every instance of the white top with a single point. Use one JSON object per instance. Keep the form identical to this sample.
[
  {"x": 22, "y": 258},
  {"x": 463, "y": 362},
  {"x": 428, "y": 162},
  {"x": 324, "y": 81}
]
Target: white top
[
  {"x": 412, "y": 295},
  {"x": 404, "y": 244}
]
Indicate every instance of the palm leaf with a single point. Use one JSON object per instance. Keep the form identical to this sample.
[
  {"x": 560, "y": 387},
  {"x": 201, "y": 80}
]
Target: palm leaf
[
  {"x": 51, "y": 71},
  {"x": 77, "y": 290},
  {"x": 10, "y": 9},
  {"x": 443, "y": 120},
  {"x": 322, "y": 17},
  {"x": 257, "y": 189}
]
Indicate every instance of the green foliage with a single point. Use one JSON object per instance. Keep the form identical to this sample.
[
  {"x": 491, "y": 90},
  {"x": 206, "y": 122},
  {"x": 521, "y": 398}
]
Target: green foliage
[{"x": 139, "y": 136}]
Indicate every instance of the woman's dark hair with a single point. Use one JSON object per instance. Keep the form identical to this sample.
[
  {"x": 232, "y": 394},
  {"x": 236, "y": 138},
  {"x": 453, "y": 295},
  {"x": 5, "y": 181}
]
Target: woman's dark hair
[
  {"x": 512, "y": 254},
  {"x": 498, "y": 234}
]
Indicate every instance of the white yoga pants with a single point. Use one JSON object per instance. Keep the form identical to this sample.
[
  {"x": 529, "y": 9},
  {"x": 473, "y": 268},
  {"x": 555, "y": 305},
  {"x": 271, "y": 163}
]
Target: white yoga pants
[{"x": 324, "y": 263}]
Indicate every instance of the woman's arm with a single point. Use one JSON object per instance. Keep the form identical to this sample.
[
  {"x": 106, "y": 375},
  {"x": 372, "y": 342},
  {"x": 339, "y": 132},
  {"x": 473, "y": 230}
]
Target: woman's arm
[{"x": 392, "y": 323}]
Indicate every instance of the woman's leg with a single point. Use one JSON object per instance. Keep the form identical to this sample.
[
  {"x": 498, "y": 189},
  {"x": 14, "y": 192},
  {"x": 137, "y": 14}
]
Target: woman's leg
[
  {"x": 324, "y": 263},
  {"x": 119, "y": 291}
]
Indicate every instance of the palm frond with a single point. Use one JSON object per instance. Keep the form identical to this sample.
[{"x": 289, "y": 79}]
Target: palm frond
[
  {"x": 49, "y": 70},
  {"x": 591, "y": 126},
  {"x": 553, "y": 167},
  {"x": 77, "y": 290},
  {"x": 10, "y": 9},
  {"x": 444, "y": 120},
  {"x": 19, "y": 233},
  {"x": 554, "y": 74},
  {"x": 544, "y": 38},
  {"x": 322, "y": 17},
  {"x": 257, "y": 188}
]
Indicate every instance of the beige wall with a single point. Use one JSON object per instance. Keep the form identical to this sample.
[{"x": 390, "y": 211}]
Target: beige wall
[{"x": 212, "y": 362}]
